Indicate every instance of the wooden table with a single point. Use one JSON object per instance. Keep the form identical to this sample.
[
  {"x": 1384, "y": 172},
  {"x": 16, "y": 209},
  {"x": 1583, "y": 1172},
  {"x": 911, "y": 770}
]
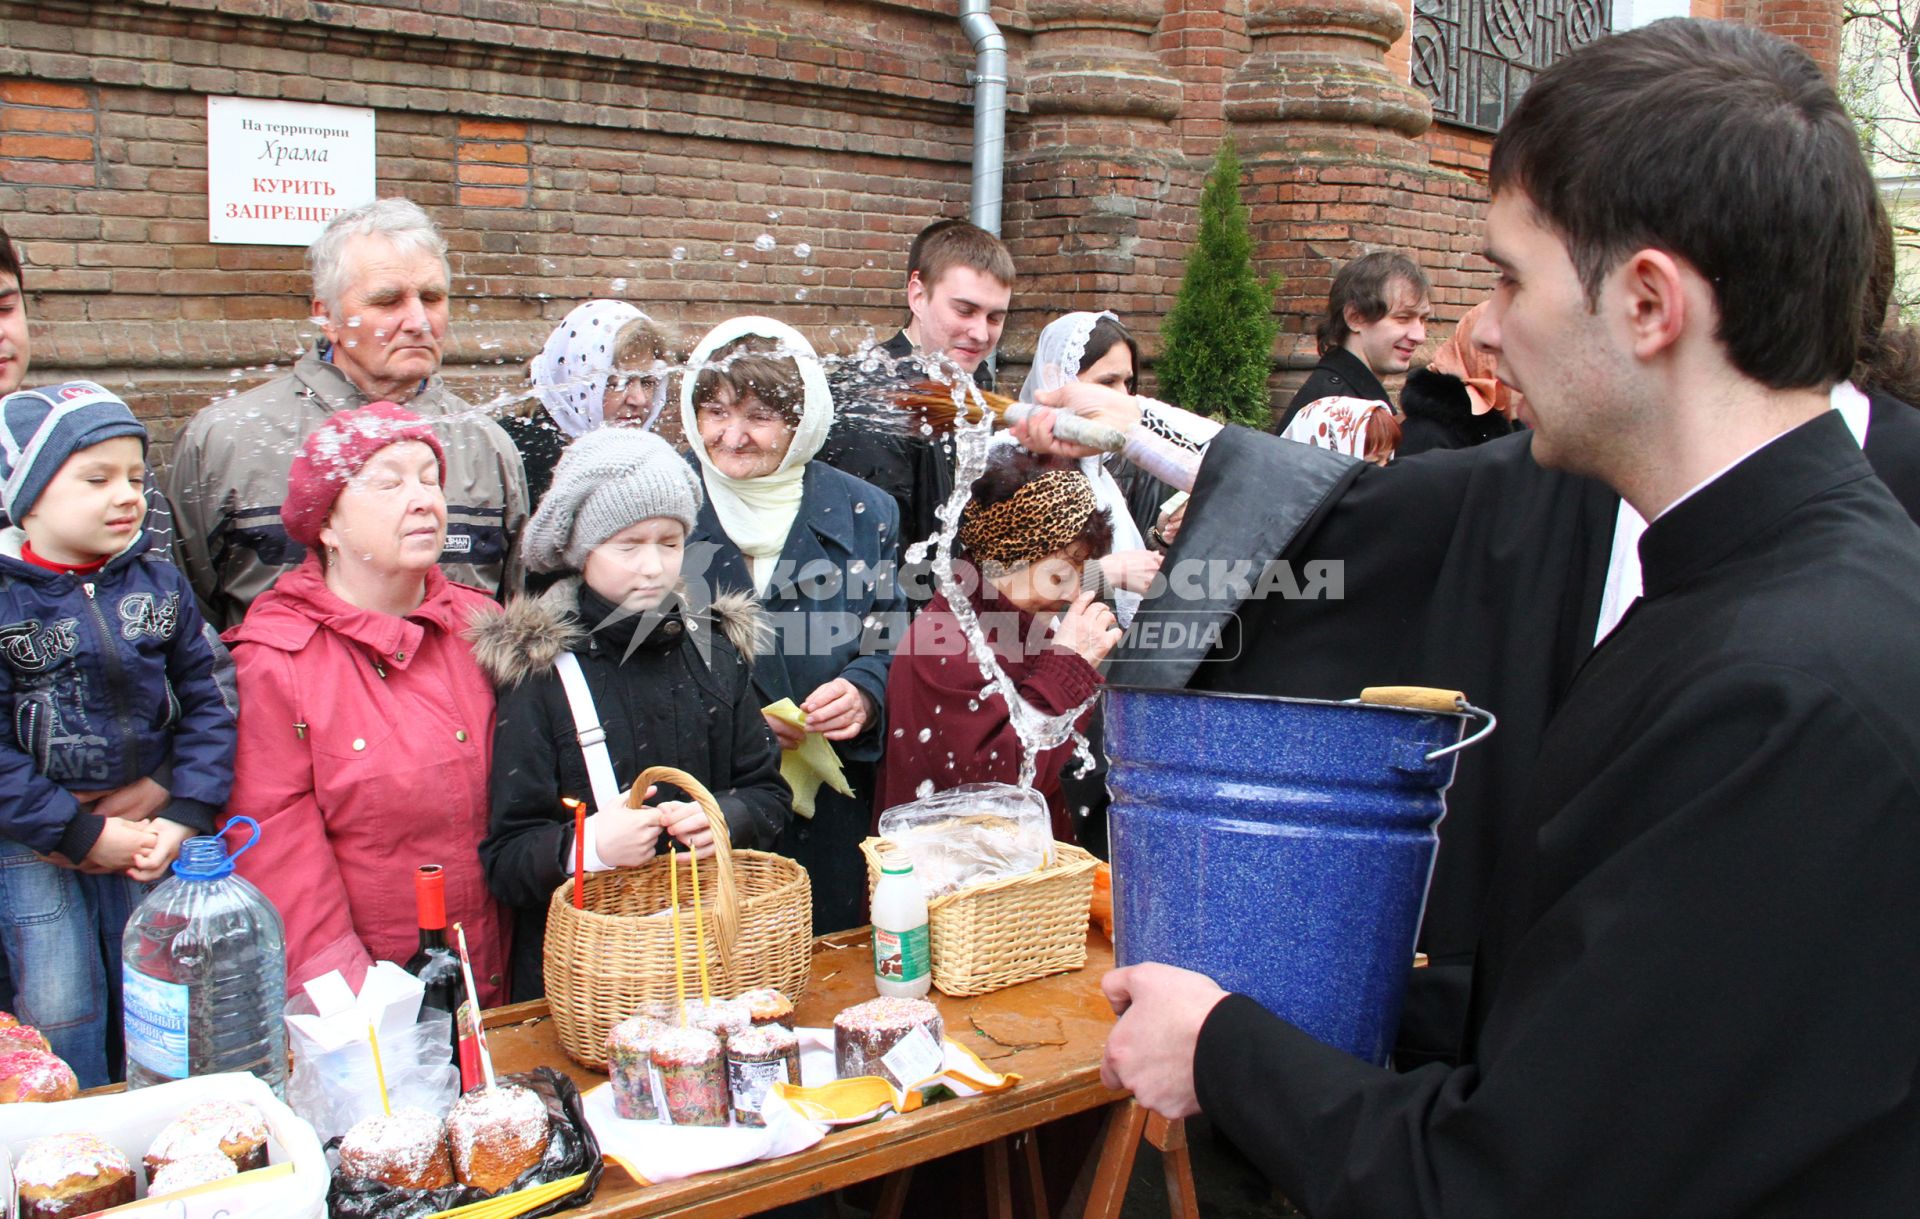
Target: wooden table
[{"x": 1056, "y": 1080}]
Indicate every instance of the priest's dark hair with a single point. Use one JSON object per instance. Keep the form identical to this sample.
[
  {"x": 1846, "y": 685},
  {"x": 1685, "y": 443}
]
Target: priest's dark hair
[
  {"x": 1365, "y": 285},
  {"x": 1720, "y": 145},
  {"x": 10, "y": 261}
]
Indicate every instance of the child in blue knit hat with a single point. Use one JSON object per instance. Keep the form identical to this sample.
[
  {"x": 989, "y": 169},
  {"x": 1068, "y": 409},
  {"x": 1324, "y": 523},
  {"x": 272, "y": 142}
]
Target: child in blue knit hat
[{"x": 116, "y": 744}]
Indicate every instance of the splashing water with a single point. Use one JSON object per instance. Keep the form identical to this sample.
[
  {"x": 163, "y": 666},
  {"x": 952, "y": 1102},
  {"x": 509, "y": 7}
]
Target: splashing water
[{"x": 1037, "y": 731}]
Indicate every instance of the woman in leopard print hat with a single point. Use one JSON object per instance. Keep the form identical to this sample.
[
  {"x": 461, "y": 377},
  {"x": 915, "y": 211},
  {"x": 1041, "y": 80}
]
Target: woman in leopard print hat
[{"x": 1028, "y": 541}]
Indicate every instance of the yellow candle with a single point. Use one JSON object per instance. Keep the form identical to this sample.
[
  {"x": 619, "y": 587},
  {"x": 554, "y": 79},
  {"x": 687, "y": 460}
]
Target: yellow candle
[
  {"x": 699, "y": 939},
  {"x": 673, "y": 895}
]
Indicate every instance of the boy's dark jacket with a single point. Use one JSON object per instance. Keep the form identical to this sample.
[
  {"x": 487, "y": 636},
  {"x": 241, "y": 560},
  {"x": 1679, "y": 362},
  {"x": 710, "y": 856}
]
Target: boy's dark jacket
[
  {"x": 679, "y": 696},
  {"x": 104, "y": 679}
]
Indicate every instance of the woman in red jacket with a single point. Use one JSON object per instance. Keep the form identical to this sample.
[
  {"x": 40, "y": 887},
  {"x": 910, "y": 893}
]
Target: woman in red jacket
[
  {"x": 1028, "y": 541},
  {"x": 367, "y": 728}
]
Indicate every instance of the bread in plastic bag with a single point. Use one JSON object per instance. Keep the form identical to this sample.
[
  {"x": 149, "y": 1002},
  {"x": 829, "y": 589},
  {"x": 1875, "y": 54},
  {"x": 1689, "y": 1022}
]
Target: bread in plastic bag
[
  {"x": 571, "y": 1149},
  {"x": 333, "y": 1089},
  {"x": 972, "y": 834}
]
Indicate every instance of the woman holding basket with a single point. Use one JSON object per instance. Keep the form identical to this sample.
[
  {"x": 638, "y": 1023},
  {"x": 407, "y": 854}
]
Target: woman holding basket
[{"x": 663, "y": 671}]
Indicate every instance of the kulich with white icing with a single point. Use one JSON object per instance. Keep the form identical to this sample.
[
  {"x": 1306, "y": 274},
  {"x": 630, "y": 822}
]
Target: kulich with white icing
[
  {"x": 191, "y": 1171},
  {"x": 69, "y": 1175},
  {"x": 406, "y": 1149},
  {"x": 235, "y": 1129},
  {"x": 865, "y": 1033},
  {"x": 496, "y": 1134}
]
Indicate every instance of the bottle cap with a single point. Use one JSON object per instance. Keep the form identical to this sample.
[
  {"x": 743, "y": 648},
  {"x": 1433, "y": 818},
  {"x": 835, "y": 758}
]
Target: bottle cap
[
  {"x": 430, "y": 896},
  {"x": 205, "y": 857}
]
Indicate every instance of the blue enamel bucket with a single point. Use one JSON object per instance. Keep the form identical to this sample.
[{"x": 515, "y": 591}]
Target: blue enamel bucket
[{"x": 1282, "y": 846}]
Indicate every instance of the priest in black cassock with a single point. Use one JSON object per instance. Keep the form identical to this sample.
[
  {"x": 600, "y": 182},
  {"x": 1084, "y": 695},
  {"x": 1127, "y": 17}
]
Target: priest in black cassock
[
  {"x": 1476, "y": 570},
  {"x": 1694, "y": 990}
]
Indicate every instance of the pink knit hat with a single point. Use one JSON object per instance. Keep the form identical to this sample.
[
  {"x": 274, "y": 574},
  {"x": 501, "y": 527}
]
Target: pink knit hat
[{"x": 334, "y": 452}]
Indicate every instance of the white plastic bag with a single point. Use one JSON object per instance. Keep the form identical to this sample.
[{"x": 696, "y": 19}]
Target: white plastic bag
[
  {"x": 972, "y": 834},
  {"x": 334, "y": 1088},
  {"x": 292, "y": 1186}
]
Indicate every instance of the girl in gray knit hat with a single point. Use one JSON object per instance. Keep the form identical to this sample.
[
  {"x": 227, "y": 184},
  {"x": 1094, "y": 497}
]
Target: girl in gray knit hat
[{"x": 663, "y": 669}]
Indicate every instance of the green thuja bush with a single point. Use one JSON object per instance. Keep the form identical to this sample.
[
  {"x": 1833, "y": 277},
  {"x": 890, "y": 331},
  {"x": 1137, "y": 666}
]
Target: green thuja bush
[{"x": 1217, "y": 343}]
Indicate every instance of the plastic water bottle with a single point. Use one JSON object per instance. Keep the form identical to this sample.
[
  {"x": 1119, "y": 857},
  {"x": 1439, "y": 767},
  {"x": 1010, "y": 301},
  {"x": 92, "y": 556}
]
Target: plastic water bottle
[
  {"x": 205, "y": 972},
  {"x": 902, "y": 962}
]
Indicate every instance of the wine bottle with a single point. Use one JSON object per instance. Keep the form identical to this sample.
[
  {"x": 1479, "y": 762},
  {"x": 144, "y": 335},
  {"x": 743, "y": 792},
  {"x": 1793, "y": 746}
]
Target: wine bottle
[{"x": 435, "y": 963}]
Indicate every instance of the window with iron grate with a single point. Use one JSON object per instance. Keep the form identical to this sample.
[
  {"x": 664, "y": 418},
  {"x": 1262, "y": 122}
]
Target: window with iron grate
[{"x": 1474, "y": 58}]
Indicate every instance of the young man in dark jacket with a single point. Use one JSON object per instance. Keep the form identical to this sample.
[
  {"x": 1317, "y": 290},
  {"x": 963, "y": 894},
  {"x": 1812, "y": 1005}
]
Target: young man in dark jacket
[
  {"x": 1377, "y": 313},
  {"x": 122, "y": 745},
  {"x": 666, "y": 670}
]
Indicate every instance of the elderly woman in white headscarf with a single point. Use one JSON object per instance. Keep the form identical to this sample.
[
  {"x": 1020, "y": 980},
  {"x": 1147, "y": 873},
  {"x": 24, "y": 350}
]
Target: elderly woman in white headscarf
[
  {"x": 818, "y": 548},
  {"x": 604, "y": 363},
  {"x": 1095, "y": 347}
]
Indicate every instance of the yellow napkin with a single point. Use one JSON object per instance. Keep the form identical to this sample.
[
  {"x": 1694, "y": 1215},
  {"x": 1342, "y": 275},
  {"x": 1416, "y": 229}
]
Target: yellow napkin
[{"x": 811, "y": 763}]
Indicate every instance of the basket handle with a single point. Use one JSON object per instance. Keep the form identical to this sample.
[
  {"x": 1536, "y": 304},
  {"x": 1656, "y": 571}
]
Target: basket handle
[{"x": 726, "y": 909}]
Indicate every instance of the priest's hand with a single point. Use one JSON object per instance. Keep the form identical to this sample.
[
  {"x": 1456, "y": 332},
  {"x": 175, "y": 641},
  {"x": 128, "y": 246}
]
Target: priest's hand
[
  {"x": 838, "y": 710},
  {"x": 1100, "y": 403},
  {"x": 1150, "y": 1051},
  {"x": 1132, "y": 570}
]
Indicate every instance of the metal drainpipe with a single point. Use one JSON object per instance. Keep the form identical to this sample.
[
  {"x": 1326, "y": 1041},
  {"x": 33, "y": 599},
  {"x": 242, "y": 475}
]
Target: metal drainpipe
[{"x": 989, "y": 80}]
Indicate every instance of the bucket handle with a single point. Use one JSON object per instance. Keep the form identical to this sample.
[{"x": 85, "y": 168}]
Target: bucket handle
[{"x": 1426, "y": 698}]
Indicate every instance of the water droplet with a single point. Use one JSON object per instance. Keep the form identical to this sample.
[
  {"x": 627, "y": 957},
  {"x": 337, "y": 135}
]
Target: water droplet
[
  {"x": 859, "y": 506},
  {"x": 869, "y": 262},
  {"x": 743, "y": 263},
  {"x": 925, "y": 735},
  {"x": 352, "y": 322},
  {"x": 808, "y": 272},
  {"x": 802, "y": 250},
  {"x": 765, "y": 243},
  {"x": 899, "y": 732},
  {"x": 679, "y": 253},
  {"x": 619, "y": 285},
  {"x": 973, "y": 704},
  {"x": 773, "y": 216},
  {"x": 799, "y": 294},
  {"x": 924, "y": 790},
  {"x": 474, "y": 308},
  {"x": 353, "y": 342},
  {"x": 727, "y": 253}
]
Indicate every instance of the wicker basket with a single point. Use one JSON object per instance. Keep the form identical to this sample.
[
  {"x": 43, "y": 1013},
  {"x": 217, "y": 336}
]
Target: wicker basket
[
  {"x": 606, "y": 962},
  {"x": 991, "y": 936}
]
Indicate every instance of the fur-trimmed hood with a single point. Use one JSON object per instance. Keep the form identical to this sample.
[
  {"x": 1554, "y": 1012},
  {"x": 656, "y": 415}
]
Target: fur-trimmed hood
[{"x": 524, "y": 638}]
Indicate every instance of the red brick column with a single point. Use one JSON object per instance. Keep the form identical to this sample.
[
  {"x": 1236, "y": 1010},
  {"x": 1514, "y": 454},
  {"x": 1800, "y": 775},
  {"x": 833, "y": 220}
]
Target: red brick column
[
  {"x": 1335, "y": 168},
  {"x": 1090, "y": 167}
]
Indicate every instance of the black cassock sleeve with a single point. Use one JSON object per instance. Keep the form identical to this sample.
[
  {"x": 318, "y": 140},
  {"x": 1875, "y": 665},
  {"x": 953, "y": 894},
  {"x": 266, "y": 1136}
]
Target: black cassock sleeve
[{"x": 1705, "y": 1005}]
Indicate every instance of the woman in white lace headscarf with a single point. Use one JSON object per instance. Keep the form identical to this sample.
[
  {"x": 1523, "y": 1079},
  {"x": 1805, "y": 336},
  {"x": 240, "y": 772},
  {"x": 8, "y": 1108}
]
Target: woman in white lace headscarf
[
  {"x": 604, "y": 363},
  {"x": 1095, "y": 347}
]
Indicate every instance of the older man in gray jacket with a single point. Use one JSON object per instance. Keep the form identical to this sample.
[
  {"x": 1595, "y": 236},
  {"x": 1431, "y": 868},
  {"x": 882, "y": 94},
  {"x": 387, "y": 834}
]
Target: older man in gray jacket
[{"x": 380, "y": 288}]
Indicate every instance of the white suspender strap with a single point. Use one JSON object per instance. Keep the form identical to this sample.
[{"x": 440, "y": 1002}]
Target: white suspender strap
[{"x": 593, "y": 738}]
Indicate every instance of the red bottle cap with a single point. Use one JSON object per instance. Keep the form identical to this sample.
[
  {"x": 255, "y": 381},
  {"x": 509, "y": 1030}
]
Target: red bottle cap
[{"x": 430, "y": 893}]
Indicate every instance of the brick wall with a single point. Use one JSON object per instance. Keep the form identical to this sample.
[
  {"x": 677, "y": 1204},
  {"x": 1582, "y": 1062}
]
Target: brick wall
[
  {"x": 591, "y": 148},
  {"x": 568, "y": 150}
]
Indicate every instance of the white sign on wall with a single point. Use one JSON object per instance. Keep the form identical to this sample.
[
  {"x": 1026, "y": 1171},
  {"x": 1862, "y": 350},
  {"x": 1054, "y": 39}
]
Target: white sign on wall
[{"x": 278, "y": 171}]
